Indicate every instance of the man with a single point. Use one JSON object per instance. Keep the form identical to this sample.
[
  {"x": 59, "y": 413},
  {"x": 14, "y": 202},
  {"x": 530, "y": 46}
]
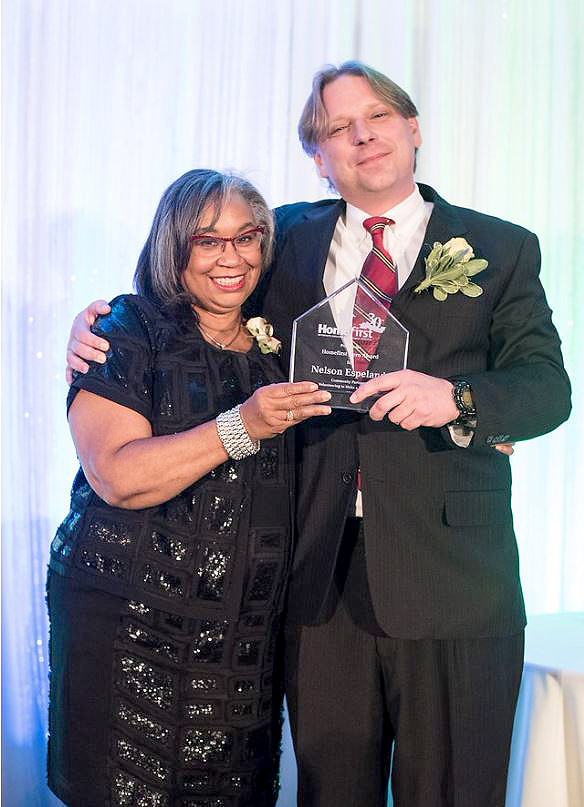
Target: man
[{"x": 405, "y": 625}]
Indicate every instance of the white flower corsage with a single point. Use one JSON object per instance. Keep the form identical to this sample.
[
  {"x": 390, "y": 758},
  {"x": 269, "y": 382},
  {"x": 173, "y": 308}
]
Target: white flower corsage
[
  {"x": 262, "y": 332},
  {"x": 448, "y": 268}
]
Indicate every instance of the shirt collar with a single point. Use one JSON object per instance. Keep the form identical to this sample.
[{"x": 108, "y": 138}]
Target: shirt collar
[{"x": 407, "y": 215}]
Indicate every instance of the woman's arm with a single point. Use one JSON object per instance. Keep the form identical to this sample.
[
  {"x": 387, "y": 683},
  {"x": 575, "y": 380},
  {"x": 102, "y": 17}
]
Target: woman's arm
[{"x": 130, "y": 468}]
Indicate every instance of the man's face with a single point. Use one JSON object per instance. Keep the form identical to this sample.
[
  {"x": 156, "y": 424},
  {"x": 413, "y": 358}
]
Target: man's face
[{"x": 368, "y": 153}]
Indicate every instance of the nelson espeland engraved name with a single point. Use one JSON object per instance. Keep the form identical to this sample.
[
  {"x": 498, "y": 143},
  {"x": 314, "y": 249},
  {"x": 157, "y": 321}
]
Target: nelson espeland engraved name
[{"x": 346, "y": 372}]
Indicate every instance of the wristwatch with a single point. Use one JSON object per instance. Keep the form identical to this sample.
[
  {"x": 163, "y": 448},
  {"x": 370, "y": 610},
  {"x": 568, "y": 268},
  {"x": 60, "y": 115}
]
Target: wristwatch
[{"x": 462, "y": 394}]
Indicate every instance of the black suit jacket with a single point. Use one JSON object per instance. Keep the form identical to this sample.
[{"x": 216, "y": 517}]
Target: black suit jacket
[{"x": 440, "y": 549}]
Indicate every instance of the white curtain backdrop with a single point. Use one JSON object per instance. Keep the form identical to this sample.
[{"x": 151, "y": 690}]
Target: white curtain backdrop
[{"x": 105, "y": 102}]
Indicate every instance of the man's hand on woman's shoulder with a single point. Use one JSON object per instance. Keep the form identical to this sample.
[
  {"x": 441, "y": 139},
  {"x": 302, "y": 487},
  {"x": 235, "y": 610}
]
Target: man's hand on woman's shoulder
[{"x": 83, "y": 345}]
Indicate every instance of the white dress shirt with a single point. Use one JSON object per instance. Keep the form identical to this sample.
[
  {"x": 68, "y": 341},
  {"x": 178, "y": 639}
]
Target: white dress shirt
[{"x": 352, "y": 243}]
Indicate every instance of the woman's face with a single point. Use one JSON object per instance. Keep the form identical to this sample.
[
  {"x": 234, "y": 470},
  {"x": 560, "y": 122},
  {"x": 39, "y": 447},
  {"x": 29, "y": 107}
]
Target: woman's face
[{"x": 222, "y": 282}]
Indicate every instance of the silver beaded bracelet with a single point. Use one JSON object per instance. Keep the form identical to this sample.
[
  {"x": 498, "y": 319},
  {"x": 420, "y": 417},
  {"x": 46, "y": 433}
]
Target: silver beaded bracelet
[{"x": 233, "y": 434}]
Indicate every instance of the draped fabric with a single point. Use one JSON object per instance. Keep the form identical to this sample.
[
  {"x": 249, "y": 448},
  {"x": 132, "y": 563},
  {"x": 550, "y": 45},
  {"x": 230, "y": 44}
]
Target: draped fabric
[{"x": 105, "y": 102}]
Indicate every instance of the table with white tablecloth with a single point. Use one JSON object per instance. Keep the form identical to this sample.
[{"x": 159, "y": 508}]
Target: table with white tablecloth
[{"x": 547, "y": 754}]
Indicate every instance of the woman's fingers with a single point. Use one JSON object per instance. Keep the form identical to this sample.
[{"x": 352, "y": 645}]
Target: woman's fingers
[
  {"x": 302, "y": 405},
  {"x": 288, "y": 397},
  {"x": 303, "y": 399},
  {"x": 288, "y": 389},
  {"x": 308, "y": 411},
  {"x": 274, "y": 408}
]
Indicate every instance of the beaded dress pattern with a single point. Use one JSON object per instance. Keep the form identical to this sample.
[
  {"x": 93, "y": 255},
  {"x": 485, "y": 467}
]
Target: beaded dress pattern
[{"x": 195, "y": 699}]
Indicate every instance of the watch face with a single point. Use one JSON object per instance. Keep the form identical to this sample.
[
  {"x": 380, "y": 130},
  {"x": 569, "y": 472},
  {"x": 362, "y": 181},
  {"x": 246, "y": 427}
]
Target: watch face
[{"x": 467, "y": 398}]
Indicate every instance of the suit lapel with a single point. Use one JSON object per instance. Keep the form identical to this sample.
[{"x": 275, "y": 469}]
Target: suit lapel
[
  {"x": 444, "y": 224},
  {"x": 312, "y": 245}
]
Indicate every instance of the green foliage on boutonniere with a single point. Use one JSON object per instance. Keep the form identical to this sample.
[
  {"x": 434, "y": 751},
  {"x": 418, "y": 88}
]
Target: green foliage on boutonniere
[
  {"x": 449, "y": 267},
  {"x": 263, "y": 333}
]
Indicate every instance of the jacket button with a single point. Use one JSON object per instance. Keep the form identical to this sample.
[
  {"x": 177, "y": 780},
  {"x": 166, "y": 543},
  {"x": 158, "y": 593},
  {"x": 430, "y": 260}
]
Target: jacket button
[{"x": 347, "y": 477}]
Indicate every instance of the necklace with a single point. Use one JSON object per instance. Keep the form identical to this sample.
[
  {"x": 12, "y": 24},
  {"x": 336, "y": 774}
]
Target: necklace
[{"x": 220, "y": 345}]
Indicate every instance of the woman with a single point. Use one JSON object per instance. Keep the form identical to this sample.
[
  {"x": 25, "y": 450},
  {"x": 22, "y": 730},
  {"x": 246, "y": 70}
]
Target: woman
[{"x": 167, "y": 577}]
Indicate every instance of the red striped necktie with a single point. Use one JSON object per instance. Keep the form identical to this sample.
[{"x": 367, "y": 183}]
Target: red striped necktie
[{"x": 379, "y": 275}]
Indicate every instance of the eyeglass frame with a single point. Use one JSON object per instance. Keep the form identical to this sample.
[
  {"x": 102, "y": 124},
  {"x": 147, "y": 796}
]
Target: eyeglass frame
[{"x": 223, "y": 241}]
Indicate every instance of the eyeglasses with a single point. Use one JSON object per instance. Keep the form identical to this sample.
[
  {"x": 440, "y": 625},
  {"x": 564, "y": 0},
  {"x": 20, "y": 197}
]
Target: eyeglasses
[{"x": 211, "y": 246}]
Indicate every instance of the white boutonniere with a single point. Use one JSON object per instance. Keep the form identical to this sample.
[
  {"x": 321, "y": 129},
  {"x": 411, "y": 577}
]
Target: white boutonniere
[
  {"x": 449, "y": 267},
  {"x": 263, "y": 333}
]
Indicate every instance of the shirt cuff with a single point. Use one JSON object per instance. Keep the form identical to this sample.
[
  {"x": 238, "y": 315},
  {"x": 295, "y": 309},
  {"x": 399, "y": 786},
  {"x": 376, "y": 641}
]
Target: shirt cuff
[{"x": 462, "y": 435}]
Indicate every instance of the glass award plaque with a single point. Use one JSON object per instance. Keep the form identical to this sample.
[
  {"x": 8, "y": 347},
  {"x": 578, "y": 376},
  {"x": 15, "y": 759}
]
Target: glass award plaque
[{"x": 340, "y": 352}]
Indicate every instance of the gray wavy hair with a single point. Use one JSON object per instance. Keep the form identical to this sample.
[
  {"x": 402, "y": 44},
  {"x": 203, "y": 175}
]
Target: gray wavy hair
[
  {"x": 167, "y": 250},
  {"x": 312, "y": 127}
]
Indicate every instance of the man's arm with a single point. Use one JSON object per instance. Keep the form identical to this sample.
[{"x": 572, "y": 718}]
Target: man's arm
[
  {"x": 524, "y": 392},
  {"x": 411, "y": 399}
]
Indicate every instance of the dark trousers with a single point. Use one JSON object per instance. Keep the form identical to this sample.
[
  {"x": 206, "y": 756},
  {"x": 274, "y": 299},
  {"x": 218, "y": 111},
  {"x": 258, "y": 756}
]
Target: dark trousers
[{"x": 446, "y": 706}]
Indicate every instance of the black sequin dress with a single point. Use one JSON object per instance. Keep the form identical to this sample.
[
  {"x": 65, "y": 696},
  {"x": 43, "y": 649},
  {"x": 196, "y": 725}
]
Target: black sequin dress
[{"x": 165, "y": 687}]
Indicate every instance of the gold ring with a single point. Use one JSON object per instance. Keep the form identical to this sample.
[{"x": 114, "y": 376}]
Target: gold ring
[{"x": 290, "y": 414}]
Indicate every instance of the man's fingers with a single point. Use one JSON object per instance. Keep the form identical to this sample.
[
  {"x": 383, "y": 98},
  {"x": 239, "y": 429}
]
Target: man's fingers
[
  {"x": 82, "y": 337},
  {"x": 84, "y": 345},
  {"x": 386, "y": 404},
  {"x": 399, "y": 414},
  {"x": 384, "y": 383},
  {"x": 505, "y": 448},
  {"x": 84, "y": 350},
  {"x": 75, "y": 363},
  {"x": 410, "y": 422},
  {"x": 96, "y": 309}
]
